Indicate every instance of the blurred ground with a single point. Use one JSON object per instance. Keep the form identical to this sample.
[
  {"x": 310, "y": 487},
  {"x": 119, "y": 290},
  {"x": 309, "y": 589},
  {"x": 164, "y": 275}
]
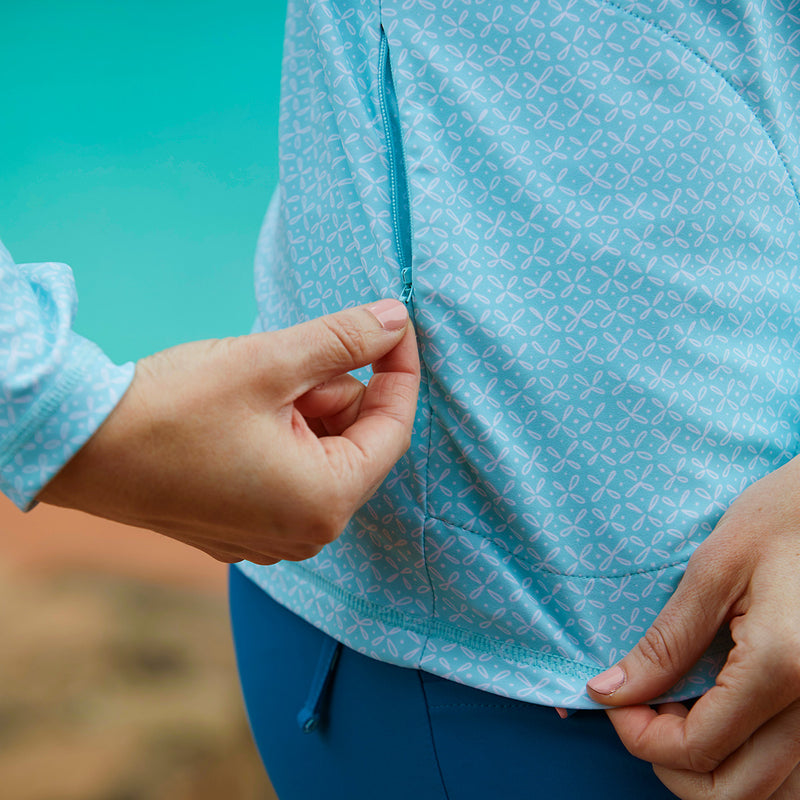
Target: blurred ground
[{"x": 117, "y": 675}]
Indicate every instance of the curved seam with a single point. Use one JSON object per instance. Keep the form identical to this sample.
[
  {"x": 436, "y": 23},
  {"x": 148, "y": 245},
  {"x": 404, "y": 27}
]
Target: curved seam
[
  {"x": 545, "y": 568},
  {"x": 672, "y": 34},
  {"x": 434, "y": 751}
]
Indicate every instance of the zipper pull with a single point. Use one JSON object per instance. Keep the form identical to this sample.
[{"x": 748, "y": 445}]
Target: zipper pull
[{"x": 408, "y": 288}]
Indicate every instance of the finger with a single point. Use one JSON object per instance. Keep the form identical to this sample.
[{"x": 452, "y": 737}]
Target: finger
[
  {"x": 335, "y": 404},
  {"x": 229, "y": 545},
  {"x": 676, "y": 709},
  {"x": 403, "y": 358},
  {"x": 765, "y": 767},
  {"x": 677, "y": 638},
  {"x": 659, "y": 736},
  {"x": 228, "y": 554},
  {"x": 739, "y": 703},
  {"x": 369, "y": 448},
  {"x": 301, "y": 357}
]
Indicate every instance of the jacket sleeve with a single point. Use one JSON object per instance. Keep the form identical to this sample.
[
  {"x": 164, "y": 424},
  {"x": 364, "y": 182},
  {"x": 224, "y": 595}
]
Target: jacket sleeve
[{"x": 56, "y": 388}]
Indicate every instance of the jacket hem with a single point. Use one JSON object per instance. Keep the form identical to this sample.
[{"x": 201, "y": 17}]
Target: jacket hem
[
  {"x": 60, "y": 422},
  {"x": 397, "y": 637}
]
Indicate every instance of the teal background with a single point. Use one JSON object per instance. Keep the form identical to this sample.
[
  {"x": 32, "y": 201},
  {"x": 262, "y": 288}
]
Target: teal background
[{"x": 138, "y": 144}]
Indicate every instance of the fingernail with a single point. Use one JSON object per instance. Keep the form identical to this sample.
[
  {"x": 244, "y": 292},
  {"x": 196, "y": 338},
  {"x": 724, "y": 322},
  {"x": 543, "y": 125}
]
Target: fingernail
[
  {"x": 607, "y": 682},
  {"x": 562, "y": 712},
  {"x": 391, "y": 314}
]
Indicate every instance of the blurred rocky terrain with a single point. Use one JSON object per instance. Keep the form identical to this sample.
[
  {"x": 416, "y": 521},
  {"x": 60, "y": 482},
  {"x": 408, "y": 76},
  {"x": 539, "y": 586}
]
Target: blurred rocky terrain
[{"x": 117, "y": 682}]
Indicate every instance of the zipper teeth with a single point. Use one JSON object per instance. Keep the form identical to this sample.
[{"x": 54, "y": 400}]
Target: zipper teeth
[{"x": 405, "y": 269}]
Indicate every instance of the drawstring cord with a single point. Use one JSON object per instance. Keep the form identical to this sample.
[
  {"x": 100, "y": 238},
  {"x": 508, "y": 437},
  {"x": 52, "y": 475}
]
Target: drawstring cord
[{"x": 309, "y": 716}]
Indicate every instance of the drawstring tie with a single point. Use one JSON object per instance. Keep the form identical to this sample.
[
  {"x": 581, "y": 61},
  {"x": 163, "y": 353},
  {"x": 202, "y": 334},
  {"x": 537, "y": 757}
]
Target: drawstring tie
[{"x": 309, "y": 716}]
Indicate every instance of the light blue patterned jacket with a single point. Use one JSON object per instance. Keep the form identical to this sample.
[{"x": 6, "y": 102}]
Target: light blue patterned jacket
[{"x": 591, "y": 208}]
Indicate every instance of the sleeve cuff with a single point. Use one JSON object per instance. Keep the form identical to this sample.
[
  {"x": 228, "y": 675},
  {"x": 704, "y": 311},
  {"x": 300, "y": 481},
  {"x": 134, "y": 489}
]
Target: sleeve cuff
[{"x": 60, "y": 421}]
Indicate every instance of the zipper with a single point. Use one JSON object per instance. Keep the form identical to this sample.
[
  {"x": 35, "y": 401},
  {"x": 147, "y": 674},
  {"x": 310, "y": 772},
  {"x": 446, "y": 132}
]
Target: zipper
[{"x": 398, "y": 181}]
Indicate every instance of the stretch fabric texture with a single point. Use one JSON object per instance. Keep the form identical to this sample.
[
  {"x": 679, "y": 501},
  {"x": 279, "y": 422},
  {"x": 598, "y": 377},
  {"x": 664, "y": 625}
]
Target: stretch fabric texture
[
  {"x": 392, "y": 733},
  {"x": 591, "y": 209}
]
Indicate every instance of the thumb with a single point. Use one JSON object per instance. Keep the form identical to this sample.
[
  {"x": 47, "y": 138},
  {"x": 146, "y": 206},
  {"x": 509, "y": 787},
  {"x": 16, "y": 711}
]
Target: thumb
[
  {"x": 317, "y": 351},
  {"x": 675, "y": 641}
]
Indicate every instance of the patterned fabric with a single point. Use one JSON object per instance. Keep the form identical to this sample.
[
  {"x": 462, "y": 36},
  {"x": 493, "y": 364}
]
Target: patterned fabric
[
  {"x": 55, "y": 387},
  {"x": 593, "y": 205}
]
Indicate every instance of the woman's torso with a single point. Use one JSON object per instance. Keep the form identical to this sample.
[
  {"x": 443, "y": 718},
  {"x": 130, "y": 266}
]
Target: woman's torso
[{"x": 594, "y": 208}]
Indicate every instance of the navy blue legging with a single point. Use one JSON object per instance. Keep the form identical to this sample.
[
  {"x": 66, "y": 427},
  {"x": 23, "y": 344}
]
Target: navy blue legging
[{"x": 332, "y": 724}]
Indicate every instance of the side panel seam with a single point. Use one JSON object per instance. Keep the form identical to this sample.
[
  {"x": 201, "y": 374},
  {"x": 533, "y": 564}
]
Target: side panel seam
[{"x": 672, "y": 34}]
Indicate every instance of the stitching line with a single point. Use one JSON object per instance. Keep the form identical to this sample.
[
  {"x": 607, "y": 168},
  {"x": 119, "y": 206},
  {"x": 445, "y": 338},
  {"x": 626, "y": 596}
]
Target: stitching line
[
  {"x": 433, "y": 628},
  {"x": 430, "y": 628},
  {"x": 672, "y": 34},
  {"x": 520, "y": 706},
  {"x": 430, "y": 732},
  {"x": 546, "y": 569}
]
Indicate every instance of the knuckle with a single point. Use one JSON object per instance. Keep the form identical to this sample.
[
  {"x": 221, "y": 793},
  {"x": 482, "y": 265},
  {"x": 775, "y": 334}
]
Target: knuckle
[
  {"x": 263, "y": 560},
  {"x": 700, "y": 759},
  {"x": 657, "y": 648},
  {"x": 333, "y": 527},
  {"x": 716, "y": 570},
  {"x": 325, "y": 524},
  {"x": 346, "y": 340}
]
